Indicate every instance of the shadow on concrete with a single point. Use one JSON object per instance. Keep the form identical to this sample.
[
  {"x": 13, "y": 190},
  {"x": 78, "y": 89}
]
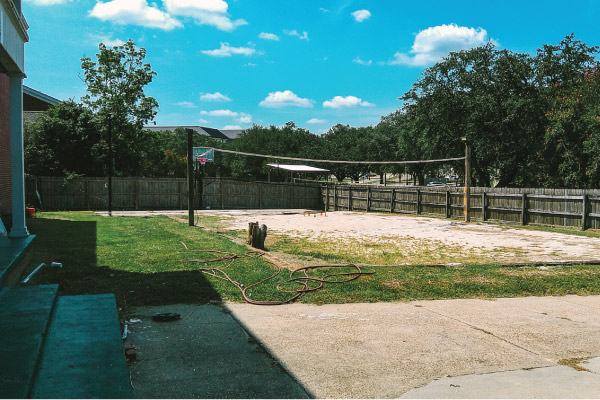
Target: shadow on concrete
[{"x": 206, "y": 354}]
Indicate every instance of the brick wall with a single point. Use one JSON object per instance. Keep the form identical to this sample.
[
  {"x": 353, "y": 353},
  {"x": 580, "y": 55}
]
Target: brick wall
[{"x": 5, "y": 186}]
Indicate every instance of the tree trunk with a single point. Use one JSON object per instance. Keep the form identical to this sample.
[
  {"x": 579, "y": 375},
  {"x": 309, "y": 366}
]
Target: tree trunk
[
  {"x": 421, "y": 179},
  {"x": 257, "y": 235}
]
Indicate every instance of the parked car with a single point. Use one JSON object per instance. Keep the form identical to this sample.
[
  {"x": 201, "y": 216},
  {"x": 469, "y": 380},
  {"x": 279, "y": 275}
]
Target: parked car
[{"x": 436, "y": 184}]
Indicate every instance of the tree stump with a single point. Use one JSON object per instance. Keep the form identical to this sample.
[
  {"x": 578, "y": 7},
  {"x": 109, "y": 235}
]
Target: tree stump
[{"x": 257, "y": 235}]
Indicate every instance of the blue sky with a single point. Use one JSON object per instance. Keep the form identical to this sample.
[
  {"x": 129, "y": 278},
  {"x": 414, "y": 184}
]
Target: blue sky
[{"x": 232, "y": 63}]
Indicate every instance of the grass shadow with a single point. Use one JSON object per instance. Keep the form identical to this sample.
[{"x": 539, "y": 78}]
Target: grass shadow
[{"x": 74, "y": 244}]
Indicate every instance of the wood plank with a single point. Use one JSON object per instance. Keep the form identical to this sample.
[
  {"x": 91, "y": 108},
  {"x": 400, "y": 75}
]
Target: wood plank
[{"x": 559, "y": 213}]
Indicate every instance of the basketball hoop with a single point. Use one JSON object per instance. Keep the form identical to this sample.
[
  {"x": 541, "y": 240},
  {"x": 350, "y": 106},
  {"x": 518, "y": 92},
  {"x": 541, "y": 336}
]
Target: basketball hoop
[{"x": 202, "y": 161}]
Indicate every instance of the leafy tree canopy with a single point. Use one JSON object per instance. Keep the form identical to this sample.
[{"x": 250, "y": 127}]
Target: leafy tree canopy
[
  {"x": 115, "y": 93},
  {"x": 64, "y": 140}
]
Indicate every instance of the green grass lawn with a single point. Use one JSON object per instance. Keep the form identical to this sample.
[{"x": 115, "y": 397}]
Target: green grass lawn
[{"x": 142, "y": 261}]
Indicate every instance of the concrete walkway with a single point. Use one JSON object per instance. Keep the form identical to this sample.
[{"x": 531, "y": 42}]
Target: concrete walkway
[{"x": 385, "y": 350}]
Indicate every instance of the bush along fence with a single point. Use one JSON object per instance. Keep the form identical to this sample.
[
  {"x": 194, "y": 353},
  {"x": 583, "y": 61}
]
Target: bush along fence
[
  {"x": 557, "y": 207},
  {"x": 83, "y": 193}
]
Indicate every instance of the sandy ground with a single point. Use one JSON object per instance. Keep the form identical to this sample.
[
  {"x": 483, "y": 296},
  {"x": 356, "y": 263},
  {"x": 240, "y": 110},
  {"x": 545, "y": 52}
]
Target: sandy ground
[{"x": 490, "y": 242}]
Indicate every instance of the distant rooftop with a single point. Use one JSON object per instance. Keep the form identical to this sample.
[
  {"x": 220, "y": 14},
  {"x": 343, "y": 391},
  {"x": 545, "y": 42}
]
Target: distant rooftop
[
  {"x": 40, "y": 95},
  {"x": 232, "y": 133},
  {"x": 224, "y": 135}
]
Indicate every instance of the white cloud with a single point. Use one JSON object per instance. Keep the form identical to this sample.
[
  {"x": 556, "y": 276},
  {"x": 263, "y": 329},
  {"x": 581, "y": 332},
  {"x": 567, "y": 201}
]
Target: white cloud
[
  {"x": 315, "y": 121},
  {"x": 227, "y": 51},
  {"x": 113, "y": 42},
  {"x": 204, "y": 12},
  {"x": 106, "y": 39},
  {"x": 240, "y": 117},
  {"x": 323, "y": 9},
  {"x": 434, "y": 43},
  {"x": 191, "y": 6},
  {"x": 217, "y": 97},
  {"x": 360, "y": 61},
  {"x": 47, "y": 2},
  {"x": 220, "y": 113},
  {"x": 295, "y": 33},
  {"x": 185, "y": 104},
  {"x": 361, "y": 15},
  {"x": 268, "y": 36},
  {"x": 346, "y": 102},
  {"x": 245, "y": 118},
  {"x": 229, "y": 127},
  {"x": 202, "y": 121},
  {"x": 285, "y": 99},
  {"x": 137, "y": 12}
]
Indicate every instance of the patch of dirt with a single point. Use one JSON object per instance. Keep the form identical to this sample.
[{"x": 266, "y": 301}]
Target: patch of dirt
[{"x": 574, "y": 363}]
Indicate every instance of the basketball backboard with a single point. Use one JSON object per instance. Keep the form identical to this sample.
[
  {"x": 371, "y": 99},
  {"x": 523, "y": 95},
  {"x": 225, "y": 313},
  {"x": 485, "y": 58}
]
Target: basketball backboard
[{"x": 204, "y": 152}]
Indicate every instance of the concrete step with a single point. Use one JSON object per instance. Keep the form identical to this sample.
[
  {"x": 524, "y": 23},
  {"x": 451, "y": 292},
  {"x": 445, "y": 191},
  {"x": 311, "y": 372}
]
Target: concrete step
[
  {"x": 25, "y": 314},
  {"x": 13, "y": 258},
  {"x": 83, "y": 355}
]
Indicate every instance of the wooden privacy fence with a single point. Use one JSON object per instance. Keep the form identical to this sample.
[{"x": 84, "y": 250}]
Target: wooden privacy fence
[
  {"x": 167, "y": 194},
  {"x": 558, "y": 207},
  {"x": 228, "y": 194}
]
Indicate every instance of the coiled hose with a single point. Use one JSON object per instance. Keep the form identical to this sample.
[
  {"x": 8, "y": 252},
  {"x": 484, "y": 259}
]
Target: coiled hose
[{"x": 303, "y": 280}]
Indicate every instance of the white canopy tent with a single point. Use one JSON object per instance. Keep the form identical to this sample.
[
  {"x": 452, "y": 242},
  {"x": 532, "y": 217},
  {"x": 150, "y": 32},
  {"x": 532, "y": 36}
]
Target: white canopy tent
[{"x": 294, "y": 168}]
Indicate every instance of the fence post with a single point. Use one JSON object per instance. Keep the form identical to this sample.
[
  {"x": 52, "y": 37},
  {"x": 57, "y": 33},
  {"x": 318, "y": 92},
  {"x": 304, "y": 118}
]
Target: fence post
[
  {"x": 448, "y": 208},
  {"x": 349, "y": 197},
  {"x": 222, "y": 195},
  {"x": 335, "y": 208},
  {"x": 467, "y": 181},
  {"x": 260, "y": 196},
  {"x": 368, "y": 198},
  {"x": 418, "y": 201},
  {"x": 87, "y": 195},
  {"x": 393, "y": 199},
  {"x": 137, "y": 195},
  {"x": 523, "y": 209},
  {"x": 483, "y": 217},
  {"x": 190, "y": 176},
  {"x": 180, "y": 194},
  {"x": 327, "y": 196},
  {"x": 584, "y": 213}
]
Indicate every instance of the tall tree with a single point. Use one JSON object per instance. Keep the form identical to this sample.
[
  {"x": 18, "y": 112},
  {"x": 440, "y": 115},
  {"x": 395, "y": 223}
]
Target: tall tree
[
  {"x": 115, "y": 93},
  {"x": 489, "y": 96},
  {"x": 567, "y": 74}
]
